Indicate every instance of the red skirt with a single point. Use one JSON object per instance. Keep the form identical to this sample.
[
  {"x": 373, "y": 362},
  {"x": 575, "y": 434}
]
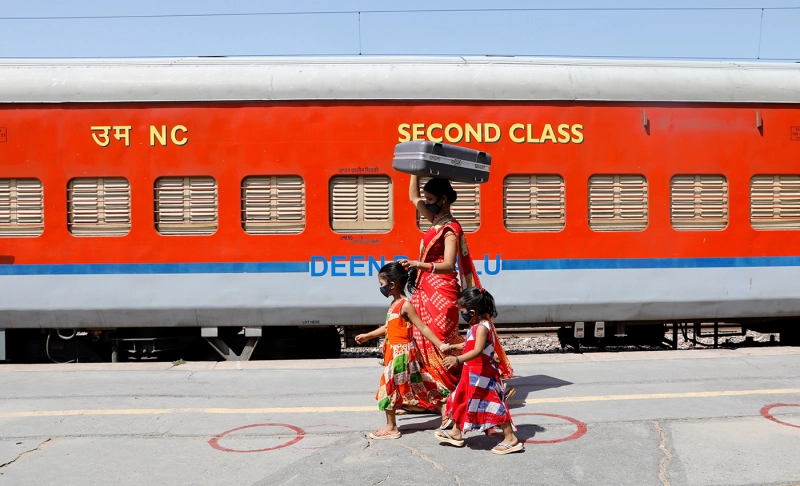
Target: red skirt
[{"x": 435, "y": 302}]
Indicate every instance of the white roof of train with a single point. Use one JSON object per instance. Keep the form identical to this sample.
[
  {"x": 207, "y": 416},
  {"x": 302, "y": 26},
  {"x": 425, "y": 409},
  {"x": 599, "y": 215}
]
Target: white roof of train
[{"x": 395, "y": 78}]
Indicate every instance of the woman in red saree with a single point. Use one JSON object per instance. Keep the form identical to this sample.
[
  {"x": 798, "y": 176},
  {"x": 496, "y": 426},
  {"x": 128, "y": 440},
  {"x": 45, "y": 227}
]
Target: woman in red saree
[{"x": 438, "y": 282}]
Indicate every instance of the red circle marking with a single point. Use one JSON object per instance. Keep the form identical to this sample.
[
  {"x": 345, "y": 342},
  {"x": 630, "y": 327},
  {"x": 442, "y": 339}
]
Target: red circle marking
[
  {"x": 765, "y": 412},
  {"x": 580, "y": 426},
  {"x": 300, "y": 434}
]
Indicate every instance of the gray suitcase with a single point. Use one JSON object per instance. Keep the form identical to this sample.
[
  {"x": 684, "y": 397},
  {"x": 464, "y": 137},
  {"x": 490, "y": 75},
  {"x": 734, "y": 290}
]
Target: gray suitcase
[{"x": 432, "y": 159}]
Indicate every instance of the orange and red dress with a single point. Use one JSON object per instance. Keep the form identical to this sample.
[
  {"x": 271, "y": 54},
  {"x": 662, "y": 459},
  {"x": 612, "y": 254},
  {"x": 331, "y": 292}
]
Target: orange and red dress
[{"x": 405, "y": 381}]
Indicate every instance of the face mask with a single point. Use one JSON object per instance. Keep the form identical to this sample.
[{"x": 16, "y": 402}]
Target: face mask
[
  {"x": 385, "y": 289},
  {"x": 433, "y": 208},
  {"x": 466, "y": 316}
]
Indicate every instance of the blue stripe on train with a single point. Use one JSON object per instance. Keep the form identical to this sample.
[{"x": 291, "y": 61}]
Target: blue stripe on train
[
  {"x": 304, "y": 267},
  {"x": 156, "y": 268},
  {"x": 623, "y": 263}
]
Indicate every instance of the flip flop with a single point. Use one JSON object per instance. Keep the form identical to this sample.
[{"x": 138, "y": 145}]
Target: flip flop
[
  {"x": 381, "y": 434},
  {"x": 507, "y": 448},
  {"x": 444, "y": 436},
  {"x": 510, "y": 392},
  {"x": 446, "y": 425}
]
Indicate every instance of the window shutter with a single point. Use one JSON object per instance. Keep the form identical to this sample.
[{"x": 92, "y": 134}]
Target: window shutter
[
  {"x": 699, "y": 202},
  {"x": 534, "y": 202},
  {"x": 186, "y": 205},
  {"x": 466, "y": 209},
  {"x": 361, "y": 204},
  {"x": 775, "y": 202},
  {"x": 377, "y": 195},
  {"x": 618, "y": 202},
  {"x": 99, "y": 206},
  {"x": 21, "y": 207},
  {"x": 273, "y": 204}
]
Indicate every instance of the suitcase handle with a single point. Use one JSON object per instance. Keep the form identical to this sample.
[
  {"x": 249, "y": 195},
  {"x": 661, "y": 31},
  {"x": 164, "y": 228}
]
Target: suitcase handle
[{"x": 436, "y": 173}]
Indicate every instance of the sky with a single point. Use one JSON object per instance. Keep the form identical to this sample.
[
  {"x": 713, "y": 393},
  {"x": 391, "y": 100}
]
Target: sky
[{"x": 767, "y": 30}]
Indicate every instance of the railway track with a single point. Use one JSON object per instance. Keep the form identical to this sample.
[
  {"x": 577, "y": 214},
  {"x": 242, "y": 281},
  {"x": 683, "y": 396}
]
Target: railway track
[{"x": 533, "y": 331}]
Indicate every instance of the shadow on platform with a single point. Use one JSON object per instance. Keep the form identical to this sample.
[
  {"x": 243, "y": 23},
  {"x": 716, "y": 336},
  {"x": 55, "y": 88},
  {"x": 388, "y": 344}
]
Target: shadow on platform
[{"x": 525, "y": 385}]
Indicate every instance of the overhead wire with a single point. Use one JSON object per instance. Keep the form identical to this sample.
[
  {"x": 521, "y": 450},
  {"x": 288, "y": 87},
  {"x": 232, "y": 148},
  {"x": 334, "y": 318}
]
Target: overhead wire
[{"x": 368, "y": 11}]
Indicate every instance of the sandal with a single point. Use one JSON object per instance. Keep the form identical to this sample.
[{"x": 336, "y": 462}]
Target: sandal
[
  {"x": 446, "y": 424},
  {"x": 507, "y": 448},
  {"x": 401, "y": 411},
  {"x": 444, "y": 436},
  {"x": 510, "y": 393},
  {"x": 381, "y": 434}
]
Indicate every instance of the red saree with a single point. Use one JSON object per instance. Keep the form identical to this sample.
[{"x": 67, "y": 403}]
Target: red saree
[{"x": 435, "y": 302}]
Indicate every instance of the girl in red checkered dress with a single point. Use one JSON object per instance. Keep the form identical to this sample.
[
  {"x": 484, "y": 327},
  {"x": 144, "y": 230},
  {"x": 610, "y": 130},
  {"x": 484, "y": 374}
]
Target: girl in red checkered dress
[{"x": 479, "y": 400}]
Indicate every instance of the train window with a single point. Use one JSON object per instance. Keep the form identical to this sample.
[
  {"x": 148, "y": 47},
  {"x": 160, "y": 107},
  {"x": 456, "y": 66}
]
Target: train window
[
  {"x": 466, "y": 209},
  {"x": 618, "y": 202},
  {"x": 534, "y": 202},
  {"x": 361, "y": 204},
  {"x": 775, "y": 202},
  {"x": 186, "y": 205},
  {"x": 21, "y": 207},
  {"x": 99, "y": 206},
  {"x": 699, "y": 202},
  {"x": 273, "y": 204}
]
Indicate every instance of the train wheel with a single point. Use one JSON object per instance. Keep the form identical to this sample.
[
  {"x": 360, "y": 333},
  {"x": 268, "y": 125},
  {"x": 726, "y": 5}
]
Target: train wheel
[
  {"x": 322, "y": 343},
  {"x": 790, "y": 336}
]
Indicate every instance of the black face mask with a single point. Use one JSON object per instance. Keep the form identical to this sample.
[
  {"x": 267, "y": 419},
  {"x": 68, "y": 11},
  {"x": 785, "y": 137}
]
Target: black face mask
[
  {"x": 466, "y": 316},
  {"x": 434, "y": 208},
  {"x": 385, "y": 289}
]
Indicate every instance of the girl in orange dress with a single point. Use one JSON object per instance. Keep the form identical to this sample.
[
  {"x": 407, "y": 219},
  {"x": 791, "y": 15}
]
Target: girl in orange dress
[{"x": 404, "y": 382}]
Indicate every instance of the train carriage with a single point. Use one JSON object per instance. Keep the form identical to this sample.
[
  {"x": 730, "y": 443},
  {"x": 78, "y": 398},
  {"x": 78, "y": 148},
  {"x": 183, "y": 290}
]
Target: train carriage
[{"x": 177, "y": 194}]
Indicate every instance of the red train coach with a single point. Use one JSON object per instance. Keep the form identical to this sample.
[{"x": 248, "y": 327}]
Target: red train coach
[{"x": 143, "y": 199}]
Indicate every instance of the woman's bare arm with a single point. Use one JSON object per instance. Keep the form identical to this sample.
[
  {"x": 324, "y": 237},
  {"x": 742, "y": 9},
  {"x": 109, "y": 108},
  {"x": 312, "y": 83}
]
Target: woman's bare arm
[
  {"x": 450, "y": 250},
  {"x": 416, "y": 200},
  {"x": 446, "y": 266}
]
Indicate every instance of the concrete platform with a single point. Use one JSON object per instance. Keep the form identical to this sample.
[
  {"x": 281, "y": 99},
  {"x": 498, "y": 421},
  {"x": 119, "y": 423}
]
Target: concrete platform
[{"x": 701, "y": 417}]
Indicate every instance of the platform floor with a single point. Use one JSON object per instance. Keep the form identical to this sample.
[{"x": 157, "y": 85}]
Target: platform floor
[{"x": 700, "y": 417}]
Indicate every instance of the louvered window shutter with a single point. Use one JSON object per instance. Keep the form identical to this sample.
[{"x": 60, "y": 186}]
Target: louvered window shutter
[
  {"x": 534, "y": 202},
  {"x": 21, "y": 207},
  {"x": 99, "y": 207},
  {"x": 466, "y": 209},
  {"x": 361, "y": 204},
  {"x": 775, "y": 202},
  {"x": 618, "y": 202},
  {"x": 698, "y": 202},
  {"x": 186, "y": 205},
  {"x": 273, "y": 204}
]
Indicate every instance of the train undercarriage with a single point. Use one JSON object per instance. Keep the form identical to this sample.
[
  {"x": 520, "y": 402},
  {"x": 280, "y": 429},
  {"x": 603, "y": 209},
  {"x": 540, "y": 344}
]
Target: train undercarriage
[{"x": 326, "y": 342}]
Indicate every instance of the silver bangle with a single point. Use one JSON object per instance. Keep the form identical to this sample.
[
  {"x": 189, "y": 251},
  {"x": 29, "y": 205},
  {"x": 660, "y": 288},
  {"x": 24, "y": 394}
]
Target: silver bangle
[{"x": 433, "y": 268}]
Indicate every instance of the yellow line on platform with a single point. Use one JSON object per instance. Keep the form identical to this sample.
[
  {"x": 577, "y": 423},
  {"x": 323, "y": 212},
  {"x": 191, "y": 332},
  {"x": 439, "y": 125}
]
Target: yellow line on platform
[
  {"x": 653, "y": 396},
  {"x": 373, "y": 408},
  {"x": 161, "y": 411}
]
